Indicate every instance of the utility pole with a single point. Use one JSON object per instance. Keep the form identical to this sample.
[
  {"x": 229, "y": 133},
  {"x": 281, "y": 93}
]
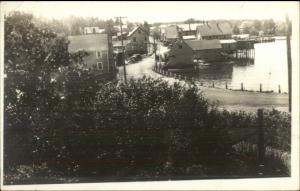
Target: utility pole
[
  {"x": 155, "y": 52},
  {"x": 122, "y": 44},
  {"x": 289, "y": 60}
]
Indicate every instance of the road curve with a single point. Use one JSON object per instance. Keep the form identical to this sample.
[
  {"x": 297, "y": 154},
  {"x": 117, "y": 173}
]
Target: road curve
[{"x": 229, "y": 99}]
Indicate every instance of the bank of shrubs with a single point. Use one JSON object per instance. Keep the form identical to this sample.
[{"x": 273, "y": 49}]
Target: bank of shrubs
[{"x": 97, "y": 128}]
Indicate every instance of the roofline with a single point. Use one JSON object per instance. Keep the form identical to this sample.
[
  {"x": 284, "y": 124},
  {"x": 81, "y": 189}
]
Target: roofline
[{"x": 136, "y": 30}]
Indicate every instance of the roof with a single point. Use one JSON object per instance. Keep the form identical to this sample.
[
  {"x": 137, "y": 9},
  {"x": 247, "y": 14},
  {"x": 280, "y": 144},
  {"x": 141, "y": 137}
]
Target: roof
[
  {"x": 187, "y": 27},
  {"x": 171, "y": 32},
  {"x": 134, "y": 30},
  {"x": 92, "y": 42},
  {"x": 203, "y": 44},
  {"x": 213, "y": 28},
  {"x": 189, "y": 37},
  {"x": 228, "y": 41}
]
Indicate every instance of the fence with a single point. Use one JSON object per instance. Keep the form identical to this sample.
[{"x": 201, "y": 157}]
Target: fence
[{"x": 240, "y": 87}]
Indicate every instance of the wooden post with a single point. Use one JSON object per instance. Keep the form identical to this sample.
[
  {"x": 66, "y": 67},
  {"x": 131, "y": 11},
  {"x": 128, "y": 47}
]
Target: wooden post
[
  {"x": 242, "y": 86},
  {"x": 201, "y": 83},
  {"x": 213, "y": 84},
  {"x": 226, "y": 86},
  {"x": 279, "y": 89},
  {"x": 185, "y": 78},
  {"x": 261, "y": 140},
  {"x": 260, "y": 87}
]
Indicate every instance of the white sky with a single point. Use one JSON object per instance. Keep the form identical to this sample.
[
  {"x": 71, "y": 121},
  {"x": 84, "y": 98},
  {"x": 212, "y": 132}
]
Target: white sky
[{"x": 158, "y": 11}]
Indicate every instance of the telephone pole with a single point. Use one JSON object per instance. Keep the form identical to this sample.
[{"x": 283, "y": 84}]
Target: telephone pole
[
  {"x": 289, "y": 60},
  {"x": 122, "y": 44}
]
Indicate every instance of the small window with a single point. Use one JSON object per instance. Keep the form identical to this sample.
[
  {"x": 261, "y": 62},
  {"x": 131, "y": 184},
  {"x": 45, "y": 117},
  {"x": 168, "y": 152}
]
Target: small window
[
  {"x": 134, "y": 39},
  {"x": 139, "y": 31},
  {"x": 145, "y": 38},
  {"x": 99, "y": 65},
  {"x": 180, "y": 46},
  {"x": 98, "y": 54}
]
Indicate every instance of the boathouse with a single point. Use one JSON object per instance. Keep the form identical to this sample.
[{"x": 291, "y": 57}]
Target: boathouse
[
  {"x": 214, "y": 30},
  {"x": 183, "y": 52}
]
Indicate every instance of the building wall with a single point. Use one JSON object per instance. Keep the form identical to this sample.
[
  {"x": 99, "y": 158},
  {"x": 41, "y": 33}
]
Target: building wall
[
  {"x": 139, "y": 46},
  {"x": 180, "y": 56},
  {"x": 209, "y": 55},
  {"x": 213, "y": 37},
  {"x": 92, "y": 59}
]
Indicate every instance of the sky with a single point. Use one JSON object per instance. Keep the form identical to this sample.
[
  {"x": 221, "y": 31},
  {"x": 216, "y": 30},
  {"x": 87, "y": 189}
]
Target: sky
[{"x": 158, "y": 11}]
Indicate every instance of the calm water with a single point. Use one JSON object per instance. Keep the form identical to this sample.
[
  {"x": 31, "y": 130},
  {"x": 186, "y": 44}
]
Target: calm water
[{"x": 269, "y": 68}]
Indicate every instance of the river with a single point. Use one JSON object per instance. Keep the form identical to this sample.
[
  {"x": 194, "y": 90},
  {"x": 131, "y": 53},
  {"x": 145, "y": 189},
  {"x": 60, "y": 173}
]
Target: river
[{"x": 269, "y": 68}]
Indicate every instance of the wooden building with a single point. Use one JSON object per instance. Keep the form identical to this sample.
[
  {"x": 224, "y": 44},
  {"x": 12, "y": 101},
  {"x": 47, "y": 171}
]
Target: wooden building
[
  {"x": 183, "y": 53},
  {"x": 139, "y": 40},
  {"x": 100, "y": 50},
  {"x": 214, "y": 30}
]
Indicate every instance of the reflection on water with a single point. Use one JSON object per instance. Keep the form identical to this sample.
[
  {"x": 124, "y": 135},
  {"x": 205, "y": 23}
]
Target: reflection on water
[{"x": 269, "y": 68}]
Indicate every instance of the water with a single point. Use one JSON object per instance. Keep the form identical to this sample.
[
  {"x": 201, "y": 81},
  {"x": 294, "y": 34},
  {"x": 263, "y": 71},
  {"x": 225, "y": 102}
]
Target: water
[{"x": 269, "y": 68}]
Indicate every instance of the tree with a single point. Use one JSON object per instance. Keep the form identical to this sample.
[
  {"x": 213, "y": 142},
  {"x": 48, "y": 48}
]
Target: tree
[
  {"x": 190, "y": 21},
  {"x": 257, "y": 25},
  {"x": 236, "y": 30},
  {"x": 269, "y": 26},
  {"x": 146, "y": 27},
  {"x": 32, "y": 55}
]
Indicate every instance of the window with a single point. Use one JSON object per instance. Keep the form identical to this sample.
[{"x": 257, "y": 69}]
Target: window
[
  {"x": 134, "y": 39},
  {"x": 98, "y": 55},
  {"x": 139, "y": 31},
  {"x": 99, "y": 65},
  {"x": 145, "y": 38},
  {"x": 180, "y": 46}
]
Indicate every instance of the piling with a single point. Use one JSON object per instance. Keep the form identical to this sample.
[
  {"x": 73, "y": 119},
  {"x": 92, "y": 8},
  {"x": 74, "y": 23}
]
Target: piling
[
  {"x": 226, "y": 86},
  {"x": 242, "y": 86},
  {"x": 213, "y": 84},
  {"x": 260, "y": 87},
  {"x": 279, "y": 89},
  {"x": 201, "y": 83}
]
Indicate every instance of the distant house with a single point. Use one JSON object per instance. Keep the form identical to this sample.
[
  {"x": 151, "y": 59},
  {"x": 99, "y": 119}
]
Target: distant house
[
  {"x": 184, "y": 52},
  {"x": 189, "y": 29},
  {"x": 170, "y": 33},
  {"x": 99, "y": 48},
  {"x": 93, "y": 30},
  {"x": 139, "y": 40},
  {"x": 214, "y": 30}
]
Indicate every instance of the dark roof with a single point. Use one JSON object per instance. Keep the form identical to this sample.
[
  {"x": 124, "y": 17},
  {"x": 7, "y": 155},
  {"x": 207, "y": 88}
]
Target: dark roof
[
  {"x": 171, "y": 32},
  {"x": 203, "y": 44},
  {"x": 213, "y": 28},
  {"x": 135, "y": 29},
  {"x": 92, "y": 42}
]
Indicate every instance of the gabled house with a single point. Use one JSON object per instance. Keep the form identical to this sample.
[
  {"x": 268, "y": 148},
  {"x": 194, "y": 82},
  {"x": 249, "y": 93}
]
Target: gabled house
[
  {"x": 184, "y": 52},
  {"x": 214, "y": 30},
  {"x": 99, "y": 48},
  {"x": 139, "y": 40}
]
